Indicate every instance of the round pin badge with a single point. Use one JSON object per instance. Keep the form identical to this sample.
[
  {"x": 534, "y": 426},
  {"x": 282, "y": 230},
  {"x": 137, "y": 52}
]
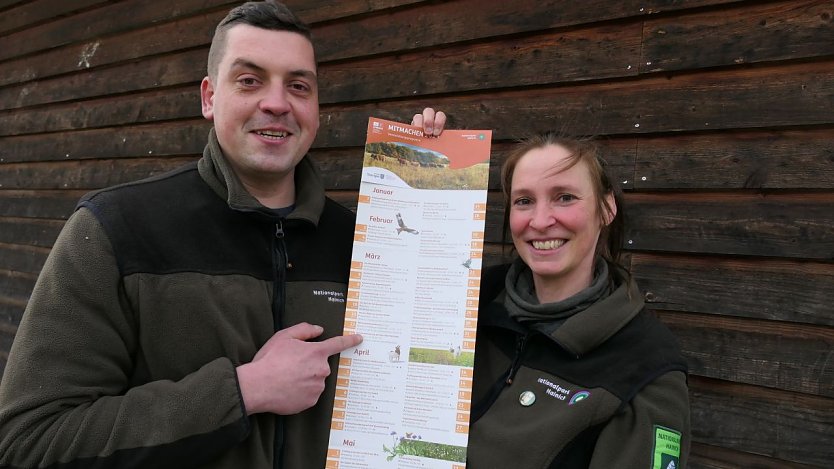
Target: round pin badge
[{"x": 527, "y": 398}]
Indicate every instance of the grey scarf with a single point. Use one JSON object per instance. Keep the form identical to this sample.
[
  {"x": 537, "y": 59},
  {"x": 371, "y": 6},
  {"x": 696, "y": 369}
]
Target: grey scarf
[{"x": 523, "y": 305}]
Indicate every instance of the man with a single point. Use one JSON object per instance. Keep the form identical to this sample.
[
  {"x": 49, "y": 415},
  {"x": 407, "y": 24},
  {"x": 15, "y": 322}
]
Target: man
[{"x": 150, "y": 338}]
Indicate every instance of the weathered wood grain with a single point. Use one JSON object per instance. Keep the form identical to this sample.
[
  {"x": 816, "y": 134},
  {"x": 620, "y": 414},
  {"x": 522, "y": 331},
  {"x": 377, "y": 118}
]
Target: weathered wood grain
[
  {"x": 138, "y": 108},
  {"x": 792, "y": 291},
  {"x": 792, "y": 95},
  {"x": 553, "y": 57},
  {"x": 186, "y": 137},
  {"x": 714, "y": 457},
  {"x": 314, "y": 11},
  {"x": 771, "y": 354},
  {"x": 786, "y": 96},
  {"x": 30, "y": 232},
  {"x": 85, "y": 174},
  {"x": 56, "y": 204},
  {"x": 156, "y": 39},
  {"x": 768, "y": 159},
  {"x": 33, "y": 12},
  {"x": 782, "y": 226},
  {"x": 20, "y": 258},
  {"x": 431, "y": 23},
  {"x": 179, "y": 69},
  {"x": 15, "y": 288},
  {"x": 749, "y": 33},
  {"x": 113, "y": 17},
  {"x": 787, "y": 426}
]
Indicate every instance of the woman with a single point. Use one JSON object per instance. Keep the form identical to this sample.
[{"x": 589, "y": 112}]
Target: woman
[{"x": 570, "y": 371}]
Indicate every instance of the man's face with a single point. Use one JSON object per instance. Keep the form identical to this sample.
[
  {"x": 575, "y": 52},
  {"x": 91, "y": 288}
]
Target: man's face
[{"x": 263, "y": 102}]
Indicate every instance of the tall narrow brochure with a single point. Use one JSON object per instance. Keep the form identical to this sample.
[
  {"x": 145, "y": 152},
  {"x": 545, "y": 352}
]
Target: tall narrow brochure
[{"x": 403, "y": 396}]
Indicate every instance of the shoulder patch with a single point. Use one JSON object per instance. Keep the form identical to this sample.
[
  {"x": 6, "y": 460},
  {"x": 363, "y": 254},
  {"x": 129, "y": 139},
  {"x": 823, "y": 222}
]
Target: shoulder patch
[{"x": 667, "y": 448}]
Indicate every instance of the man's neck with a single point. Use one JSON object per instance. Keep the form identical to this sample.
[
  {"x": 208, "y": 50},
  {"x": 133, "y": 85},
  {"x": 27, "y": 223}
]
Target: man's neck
[{"x": 271, "y": 194}]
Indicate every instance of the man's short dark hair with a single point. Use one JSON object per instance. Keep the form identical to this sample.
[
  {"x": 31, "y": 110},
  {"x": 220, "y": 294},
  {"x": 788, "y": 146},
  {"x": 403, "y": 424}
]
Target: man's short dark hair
[{"x": 267, "y": 14}]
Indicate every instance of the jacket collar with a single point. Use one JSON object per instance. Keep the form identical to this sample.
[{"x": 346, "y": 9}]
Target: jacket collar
[
  {"x": 216, "y": 171},
  {"x": 588, "y": 329}
]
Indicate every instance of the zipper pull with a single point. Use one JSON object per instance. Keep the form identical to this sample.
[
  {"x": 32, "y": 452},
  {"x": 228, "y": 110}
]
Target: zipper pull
[{"x": 279, "y": 234}]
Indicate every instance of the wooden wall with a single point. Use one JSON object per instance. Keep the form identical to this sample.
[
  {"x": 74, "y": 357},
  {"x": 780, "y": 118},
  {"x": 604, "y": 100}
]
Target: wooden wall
[{"x": 718, "y": 116}]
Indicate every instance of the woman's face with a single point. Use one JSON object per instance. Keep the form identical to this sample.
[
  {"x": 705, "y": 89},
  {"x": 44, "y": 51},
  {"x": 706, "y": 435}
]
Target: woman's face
[{"x": 554, "y": 221}]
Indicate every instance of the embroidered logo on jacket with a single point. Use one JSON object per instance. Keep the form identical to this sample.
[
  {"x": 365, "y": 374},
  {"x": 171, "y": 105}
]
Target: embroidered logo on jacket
[
  {"x": 332, "y": 296},
  {"x": 563, "y": 394},
  {"x": 667, "y": 448}
]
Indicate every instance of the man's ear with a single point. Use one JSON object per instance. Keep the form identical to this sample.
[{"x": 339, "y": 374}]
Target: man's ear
[
  {"x": 609, "y": 215},
  {"x": 207, "y": 98}
]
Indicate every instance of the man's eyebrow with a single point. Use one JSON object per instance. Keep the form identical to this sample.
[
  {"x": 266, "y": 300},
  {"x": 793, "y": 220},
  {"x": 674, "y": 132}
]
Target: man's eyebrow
[
  {"x": 248, "y": 64},
  {"x": 245, "y": 63}
]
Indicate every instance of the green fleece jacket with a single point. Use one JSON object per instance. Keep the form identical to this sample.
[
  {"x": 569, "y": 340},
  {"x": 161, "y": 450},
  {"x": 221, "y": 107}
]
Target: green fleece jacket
[
  {"x": 154, "y": 291},
  {"x": 603, "y": 387}
]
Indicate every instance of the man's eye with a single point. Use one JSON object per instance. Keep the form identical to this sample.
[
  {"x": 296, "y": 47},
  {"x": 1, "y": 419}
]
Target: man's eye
[{"x": 248, "y": 81}]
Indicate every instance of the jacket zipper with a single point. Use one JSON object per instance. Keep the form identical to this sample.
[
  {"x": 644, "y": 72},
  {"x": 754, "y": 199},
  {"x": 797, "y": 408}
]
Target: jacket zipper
[
  {"x": 480, "y": 407},
  {"x": 280, "y": 262},
  {"x": 519, "y": 350}
]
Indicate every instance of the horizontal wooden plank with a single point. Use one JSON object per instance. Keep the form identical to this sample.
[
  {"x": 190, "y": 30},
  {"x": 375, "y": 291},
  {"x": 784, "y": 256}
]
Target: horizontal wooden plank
[
  {"x": 112, "y": 18},
  {"x": 782, "y": 96},
  {"x": 715, "y": 457},
  {"x": 38, "y": 11},
  {"x": 85, "y": 174},
  {"x": 154, "y": 39},
  {"x": 30, "y": 232},
  {"x": 38, "y": 204},
  {"x": 154, "y": 140},
  {"x": 15, "y": 289},
  {"x": 785, "y": 226},
  {"x": 796, "y": 159},
  {"x": 553, "y": 57},
  {"x": 21, "y": 258},
  {"x": 315, "y": 11},
  {"x": 7, "y": 4},
  {"x": 431, "y": 23},
  {"x": 788, "y": 426},
  {"x": 751, "y": 33},
  {"x": 134, "y": 109},
  {"x": 779, "y": 355},
  {"x": 790, "y": 95},
  {"x": 185, "y": 68},
  {"x": 769, "y": 289},
  {"x": 7, "y": 333}
]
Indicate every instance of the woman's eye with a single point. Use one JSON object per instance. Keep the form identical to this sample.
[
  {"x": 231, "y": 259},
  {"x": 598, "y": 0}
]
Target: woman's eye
[
  {"x": 566, "y": 198},
  {"x": 522, "y": 201}
]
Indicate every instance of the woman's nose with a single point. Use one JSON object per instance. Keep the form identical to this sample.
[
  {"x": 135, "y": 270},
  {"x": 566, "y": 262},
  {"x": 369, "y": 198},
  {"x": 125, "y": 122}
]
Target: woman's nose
[{"x": 542, "y": 217}]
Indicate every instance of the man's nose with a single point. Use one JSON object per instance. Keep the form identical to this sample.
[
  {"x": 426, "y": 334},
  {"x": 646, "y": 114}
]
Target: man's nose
[{"x": 275, "y": 101}]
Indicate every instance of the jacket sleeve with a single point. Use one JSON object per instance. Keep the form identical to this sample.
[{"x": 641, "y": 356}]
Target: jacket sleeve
[
  {"x": 652, "y": 431},
  {"x": 66, "y": 398}
]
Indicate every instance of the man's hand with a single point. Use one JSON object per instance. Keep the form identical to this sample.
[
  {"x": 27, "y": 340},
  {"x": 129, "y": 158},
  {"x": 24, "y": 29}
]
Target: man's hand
[
  {"x": 287, "y": 374},
  {"x": 431, "y": 122}
]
